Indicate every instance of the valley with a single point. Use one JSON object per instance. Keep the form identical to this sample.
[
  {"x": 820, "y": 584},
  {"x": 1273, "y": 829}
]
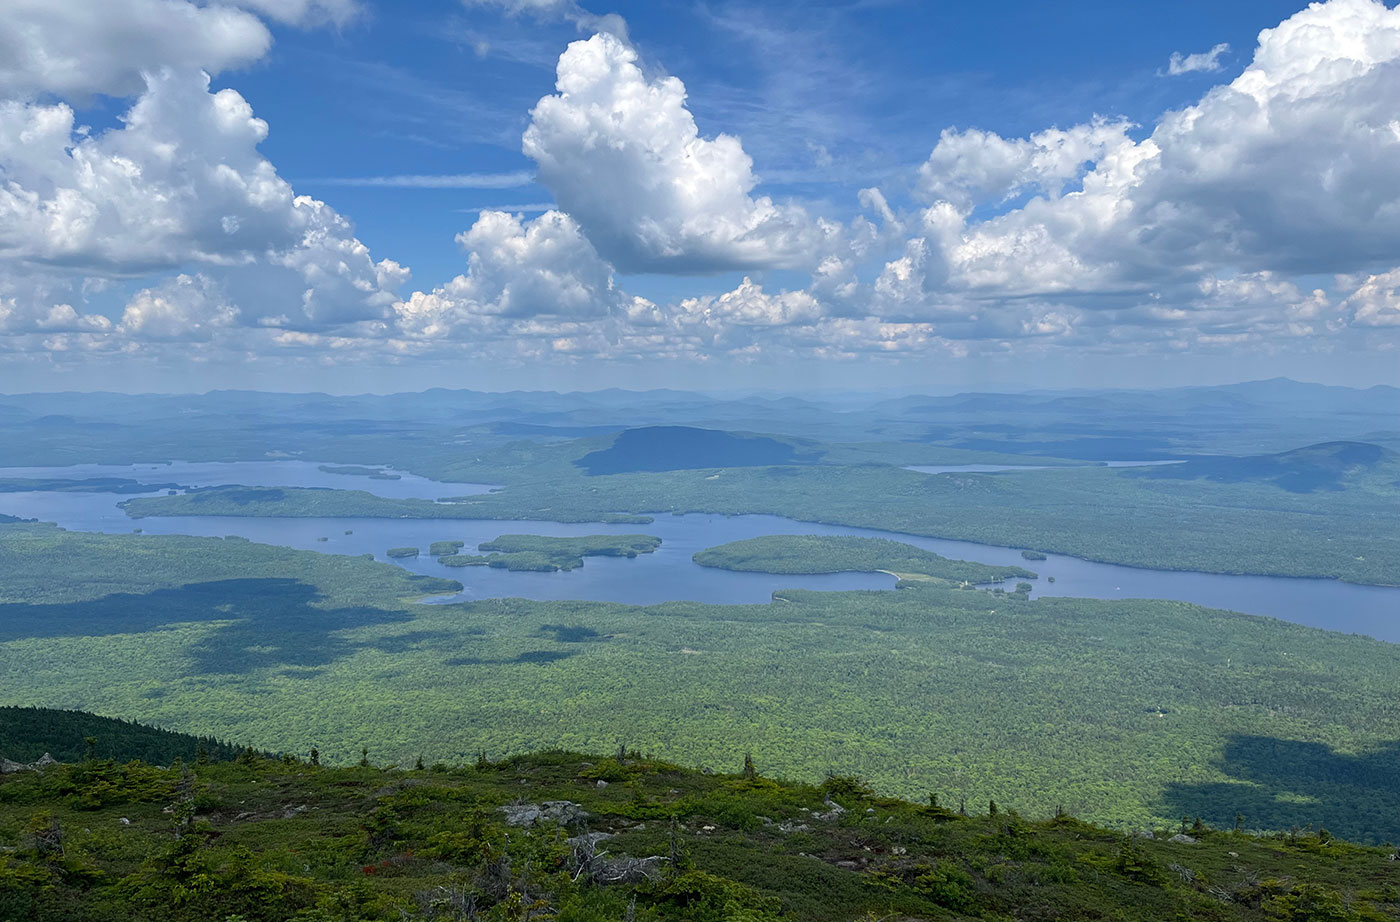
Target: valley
[{"x": 695, "y": 612}]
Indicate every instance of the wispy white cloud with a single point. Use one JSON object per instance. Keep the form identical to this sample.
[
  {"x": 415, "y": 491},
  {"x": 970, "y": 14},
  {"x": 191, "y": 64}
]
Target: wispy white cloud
[
  {"x": 510, "y": 180},
  {"x": 806, "y": 84},
  {"x": 521, "y": 208},
  {"x": 1208, "y": 61},
  {"x": 307, "y": 12},
  {"x": 560, "y": 10}
]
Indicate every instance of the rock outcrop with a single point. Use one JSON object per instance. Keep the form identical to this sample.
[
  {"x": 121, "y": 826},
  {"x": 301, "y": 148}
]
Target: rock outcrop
[{"x": 9, "y": 768}]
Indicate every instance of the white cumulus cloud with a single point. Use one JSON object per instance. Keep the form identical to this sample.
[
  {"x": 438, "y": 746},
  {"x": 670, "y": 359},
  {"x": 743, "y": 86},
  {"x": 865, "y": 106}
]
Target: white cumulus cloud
[
  {"x": 181, "y": 182},
  {"x": 750, "y": 306},
  {"x": 82, "y": 47},
  {"x": 77, "y": 48},
  {"x": 185, "y": 308},
  {"x": 979, "y": 166},
  {"x": 622, "y": 155},
  {"x": 1376, "y": 301},
  {"x": 517, "y": 271},
  {"x": 1293, "y": 167},
  {"x": 1219, "y": 226}
]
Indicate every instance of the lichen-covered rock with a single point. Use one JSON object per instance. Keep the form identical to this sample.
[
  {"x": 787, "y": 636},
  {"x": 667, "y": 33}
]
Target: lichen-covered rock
[
  {"x": 520, "y": 814},
  {"x": 8, "y": 767},
  {"x": 563, "y": 812}
]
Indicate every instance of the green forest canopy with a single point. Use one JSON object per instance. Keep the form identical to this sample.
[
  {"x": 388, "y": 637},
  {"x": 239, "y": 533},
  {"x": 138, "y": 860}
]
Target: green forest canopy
[
  {"x": 543, "y": 553},
  {"x": 26, "y": 734},
  {"x": 1124, "y": 712},
  {"x": 793, "y": 554}
]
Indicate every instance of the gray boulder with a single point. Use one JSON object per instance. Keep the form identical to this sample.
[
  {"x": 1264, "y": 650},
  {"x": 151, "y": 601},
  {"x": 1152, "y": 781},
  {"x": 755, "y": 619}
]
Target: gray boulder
[
  {"x": 563, "y": 812},
  {"x": 8, "y": 767}
]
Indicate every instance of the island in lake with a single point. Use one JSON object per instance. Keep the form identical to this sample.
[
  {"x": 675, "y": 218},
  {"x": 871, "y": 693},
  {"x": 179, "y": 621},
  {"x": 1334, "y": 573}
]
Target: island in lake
[{"x": 540, "y": 553}]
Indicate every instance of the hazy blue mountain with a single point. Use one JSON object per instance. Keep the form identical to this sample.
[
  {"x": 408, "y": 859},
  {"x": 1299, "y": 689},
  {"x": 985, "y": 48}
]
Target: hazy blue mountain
[
  {"x": 673, "y": 448},
  {"x": 1326, "y": 466}
]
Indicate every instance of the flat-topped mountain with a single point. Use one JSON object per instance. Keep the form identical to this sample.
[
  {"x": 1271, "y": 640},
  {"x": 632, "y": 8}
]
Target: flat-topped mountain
[{"x": 676, "y": 448}]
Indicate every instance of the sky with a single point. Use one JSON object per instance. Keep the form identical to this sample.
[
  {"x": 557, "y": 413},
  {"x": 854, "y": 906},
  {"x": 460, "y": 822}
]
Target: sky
[{"x": 355, "y": 195}]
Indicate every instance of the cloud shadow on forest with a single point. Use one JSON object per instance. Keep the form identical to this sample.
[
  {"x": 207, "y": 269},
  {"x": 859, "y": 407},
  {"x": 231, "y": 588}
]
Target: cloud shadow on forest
[
  {"x": 273, "y": 622},
  {"x": 1279, "y": 784},
  {"x": 529, "y": 657},
  {"x": 571, "y": 633}
]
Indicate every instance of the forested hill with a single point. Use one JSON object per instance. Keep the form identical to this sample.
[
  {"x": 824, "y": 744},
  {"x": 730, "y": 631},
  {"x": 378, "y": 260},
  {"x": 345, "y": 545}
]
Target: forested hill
[
  {"x": 675, "y": 448},
  {"x": 1326, "y": 466},
  {"x": 578, "y": 838},
  {"x": 26, "y": 734}
]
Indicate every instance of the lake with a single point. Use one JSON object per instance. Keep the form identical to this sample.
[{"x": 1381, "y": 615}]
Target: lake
[{"x": 668, "y": 574}]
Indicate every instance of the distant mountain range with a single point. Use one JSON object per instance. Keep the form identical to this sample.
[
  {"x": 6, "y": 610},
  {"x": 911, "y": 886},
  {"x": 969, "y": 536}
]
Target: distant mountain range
[
  {"x": 1107, "y": 424},
  {"x": 1272, "y": 392},
  {"x": 1233, "y": 398}
]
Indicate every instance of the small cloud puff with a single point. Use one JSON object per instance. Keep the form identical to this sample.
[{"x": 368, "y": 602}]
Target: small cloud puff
[{"x": 1208, "y": 61}]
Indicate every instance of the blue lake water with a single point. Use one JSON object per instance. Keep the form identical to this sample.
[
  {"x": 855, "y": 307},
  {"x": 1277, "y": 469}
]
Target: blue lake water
[
  {"x": 973, "y": 468},
  {"x": 668, "y": 574},
  {"x": 283, "y": 473}
]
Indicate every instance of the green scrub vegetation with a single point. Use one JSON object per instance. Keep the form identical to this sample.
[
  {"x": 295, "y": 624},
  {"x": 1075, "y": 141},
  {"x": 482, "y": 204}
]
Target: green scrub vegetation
[{"x": 602, "y": 838}]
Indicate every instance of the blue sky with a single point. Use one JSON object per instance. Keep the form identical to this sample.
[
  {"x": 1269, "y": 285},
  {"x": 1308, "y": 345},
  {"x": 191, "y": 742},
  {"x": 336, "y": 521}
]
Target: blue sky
[
  {"x": 408, "y": 92},
  {"x": 920, "y": 196}
]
